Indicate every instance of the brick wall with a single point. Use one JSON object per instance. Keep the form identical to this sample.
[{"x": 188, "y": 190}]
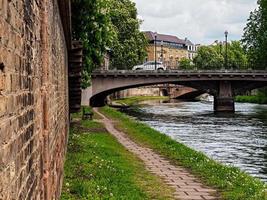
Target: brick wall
[{"x": 33, "y": 99}]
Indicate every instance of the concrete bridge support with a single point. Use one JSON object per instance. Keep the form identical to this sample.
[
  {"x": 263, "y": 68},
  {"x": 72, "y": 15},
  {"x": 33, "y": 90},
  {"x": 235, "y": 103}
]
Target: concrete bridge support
[{"x": 224, "y": 100}]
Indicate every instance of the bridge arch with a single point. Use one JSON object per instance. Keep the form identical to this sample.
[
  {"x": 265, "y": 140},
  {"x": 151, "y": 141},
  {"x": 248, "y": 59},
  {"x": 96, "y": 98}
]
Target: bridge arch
[
  {"x": 98, "y": 99},
  {"x": 221, "y": 84}
]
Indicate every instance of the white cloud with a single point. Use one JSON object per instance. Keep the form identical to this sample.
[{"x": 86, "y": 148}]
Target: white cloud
[{"x": 202, "y": 21}]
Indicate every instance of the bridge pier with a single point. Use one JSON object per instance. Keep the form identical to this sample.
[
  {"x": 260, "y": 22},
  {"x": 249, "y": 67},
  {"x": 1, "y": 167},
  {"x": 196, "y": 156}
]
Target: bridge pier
[{"x": 224, "y": 101}]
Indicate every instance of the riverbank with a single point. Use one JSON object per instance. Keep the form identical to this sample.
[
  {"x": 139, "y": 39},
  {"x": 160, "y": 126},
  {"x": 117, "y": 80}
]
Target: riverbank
[
  {"x": 233, "y": 183},
  {"x": 98, "y": 167},
  {"x": 259, "y": 99},
  {"x": 135, "y": 100}
]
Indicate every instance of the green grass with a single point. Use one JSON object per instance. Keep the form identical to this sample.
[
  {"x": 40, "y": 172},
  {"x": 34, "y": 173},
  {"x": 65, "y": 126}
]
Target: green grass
[
  {"x": 98, "y": 167},
  {"x": 131, "y": 101},
  {"x": 259, "y": 99},
  {"x": 233, "y": 183}
]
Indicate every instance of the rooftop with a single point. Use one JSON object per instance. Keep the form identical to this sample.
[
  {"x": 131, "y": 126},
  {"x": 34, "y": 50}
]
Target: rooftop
[{"x": 165, "y": 38}]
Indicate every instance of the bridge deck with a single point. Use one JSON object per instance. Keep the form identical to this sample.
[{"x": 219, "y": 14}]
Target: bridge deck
[{"x": 207, "y": 74}]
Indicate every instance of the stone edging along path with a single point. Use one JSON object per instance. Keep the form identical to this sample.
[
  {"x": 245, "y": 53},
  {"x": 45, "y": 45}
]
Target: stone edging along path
[{"x": 186, "y": 186}]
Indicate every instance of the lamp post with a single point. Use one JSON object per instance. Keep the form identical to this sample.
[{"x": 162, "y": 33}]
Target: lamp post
[
  {"x": 220, "y": 47},
  {"x": 156, "y": 50},
  {"x": 226, "y": 49},
  {"x": 161, "y": 44}
]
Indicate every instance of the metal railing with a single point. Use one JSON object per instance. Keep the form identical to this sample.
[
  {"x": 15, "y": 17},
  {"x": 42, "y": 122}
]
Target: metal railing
[
  {"x": 193, "y": 71},
  {"x": 202, "y": 67}
]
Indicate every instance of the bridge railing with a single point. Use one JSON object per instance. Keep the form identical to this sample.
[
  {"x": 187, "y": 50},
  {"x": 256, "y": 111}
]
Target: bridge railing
[
  {"x": 234, "y": 66},
  {"x": 179, "y": 71}
]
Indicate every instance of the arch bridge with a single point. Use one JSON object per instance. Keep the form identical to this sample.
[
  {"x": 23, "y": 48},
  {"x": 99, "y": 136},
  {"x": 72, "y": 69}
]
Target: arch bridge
[{"x": 222, "y": 84}]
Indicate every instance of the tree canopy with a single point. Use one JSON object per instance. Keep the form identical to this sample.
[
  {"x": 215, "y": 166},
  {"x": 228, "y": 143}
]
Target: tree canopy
[
  {"x": 213, "y": 57},
  {"x": 255, "y": 36},
  {"x": 113, "y": 24},
  {"x": 129, "y": 47}
]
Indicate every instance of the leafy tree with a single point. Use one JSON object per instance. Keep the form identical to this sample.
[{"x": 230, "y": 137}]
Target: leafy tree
[
  {"x": 213, "y": 57},
  {"x": 186, "y": 63},
  {"x": 129, "y": 47},
  {"x": 237, "y": 57},
  {"x": 91, "y": 25},
  {"x": 102, "y": 24},
  {"x": 208, "y": 57},
  {"x": 255, "y": 36}
]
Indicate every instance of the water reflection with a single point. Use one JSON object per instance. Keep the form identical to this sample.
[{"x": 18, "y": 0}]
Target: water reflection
[{"x": 238, "y": 139}]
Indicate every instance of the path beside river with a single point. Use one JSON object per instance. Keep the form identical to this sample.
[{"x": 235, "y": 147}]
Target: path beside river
[{"x": 187, "y": 186}]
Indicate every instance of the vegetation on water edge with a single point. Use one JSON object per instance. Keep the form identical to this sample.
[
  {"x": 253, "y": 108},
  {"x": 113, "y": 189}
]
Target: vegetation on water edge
[
  {"x": 252, "y": 99},
  {"x": 233, "y": 183},
  {"x": 131, "y": 101},
  {"x": 98, "y": 167}
]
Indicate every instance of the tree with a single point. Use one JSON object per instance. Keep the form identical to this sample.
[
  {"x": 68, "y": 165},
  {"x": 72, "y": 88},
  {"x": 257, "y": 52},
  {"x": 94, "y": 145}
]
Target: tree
[
  {"x": 102, "y": 24},
  {"x": 237, "y": 57},
  {"x": 91, "y": 25},
  {"x": 186, "y": 63},
  {"x": 213, "y": 57},
  {"x": 208, "y": 57},
  {"x": 129, "y": 47},
  {"x": 255, "y": 36}
]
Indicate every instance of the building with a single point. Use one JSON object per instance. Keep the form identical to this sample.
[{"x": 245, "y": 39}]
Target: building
[
  {"x": 169, "y": 49},
  {"x": 191, "y": 48}
]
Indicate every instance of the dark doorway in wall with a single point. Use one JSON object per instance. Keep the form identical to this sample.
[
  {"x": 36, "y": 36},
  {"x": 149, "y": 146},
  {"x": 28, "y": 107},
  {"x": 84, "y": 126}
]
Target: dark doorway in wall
[{"x": 164, "y": 92}]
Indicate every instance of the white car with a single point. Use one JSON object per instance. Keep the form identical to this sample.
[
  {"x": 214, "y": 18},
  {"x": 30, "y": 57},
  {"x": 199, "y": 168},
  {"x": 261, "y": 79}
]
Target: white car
[{"x": 150, "y": 66}]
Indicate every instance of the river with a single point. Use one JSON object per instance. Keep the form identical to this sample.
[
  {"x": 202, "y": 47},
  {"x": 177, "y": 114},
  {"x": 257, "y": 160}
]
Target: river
[{"x": 238, "y": 139}]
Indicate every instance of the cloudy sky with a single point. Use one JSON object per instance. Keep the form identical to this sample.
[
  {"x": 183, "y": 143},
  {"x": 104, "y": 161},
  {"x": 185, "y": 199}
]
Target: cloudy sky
[{"x": 202, "y": 21}]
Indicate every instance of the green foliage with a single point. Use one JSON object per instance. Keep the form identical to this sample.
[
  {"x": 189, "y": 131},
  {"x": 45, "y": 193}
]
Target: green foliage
[
  {"x": 132, "y": 101},
  {"x": 258, "y": 99},
  {"x": 129, "y": 47},
  {"x": 255, "y": 36},
  {"x": 208, "y": 57},
  {"x": 186, "y": 63},
  {"x": 91, "y": 24},
  {"x": 233, "y": 183},
  {"x": 213, "y": 57},
  {"x": 102, "y": 24}
]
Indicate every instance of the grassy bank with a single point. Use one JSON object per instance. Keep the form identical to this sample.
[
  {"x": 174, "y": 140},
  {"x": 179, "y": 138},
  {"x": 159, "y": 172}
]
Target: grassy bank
[
  {"x": 98, "y": 167},
  {"x": 131, "y": 101},
  {"x": 234, "y": 184},
  {"x": 252, "y": 99}
]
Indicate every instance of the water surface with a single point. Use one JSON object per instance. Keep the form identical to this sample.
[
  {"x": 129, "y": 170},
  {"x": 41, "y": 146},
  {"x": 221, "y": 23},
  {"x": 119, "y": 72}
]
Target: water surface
[{"x": 238, "y": 139}]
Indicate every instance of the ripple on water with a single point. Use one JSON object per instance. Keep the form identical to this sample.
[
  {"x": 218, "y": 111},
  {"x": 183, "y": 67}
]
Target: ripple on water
[{"x": 238, "y": 139}]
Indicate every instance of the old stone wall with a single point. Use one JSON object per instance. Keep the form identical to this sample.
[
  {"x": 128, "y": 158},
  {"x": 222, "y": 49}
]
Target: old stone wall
[{"x": 33, "y": 99}]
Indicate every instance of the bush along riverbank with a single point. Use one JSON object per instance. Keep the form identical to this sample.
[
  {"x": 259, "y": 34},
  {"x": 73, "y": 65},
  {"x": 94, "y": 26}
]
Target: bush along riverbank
[
  {"x": 259, "y": 99},
  {"x": 98, "y": 167},
  {"x": 233, "y": 183},
  {"x": 133, "y": 101}
]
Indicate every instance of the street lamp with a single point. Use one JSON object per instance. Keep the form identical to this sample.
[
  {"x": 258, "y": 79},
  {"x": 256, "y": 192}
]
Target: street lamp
[
  {"x": 156, "y": 35},
  {"x": 226, "y": 48},
  {"x": 220, "y": 47},
  {"x": 161, "y": 44}
]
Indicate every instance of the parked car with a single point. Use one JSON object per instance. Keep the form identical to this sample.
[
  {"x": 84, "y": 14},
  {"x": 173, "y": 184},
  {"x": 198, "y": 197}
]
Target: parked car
[{"x": 150, "y": 66}]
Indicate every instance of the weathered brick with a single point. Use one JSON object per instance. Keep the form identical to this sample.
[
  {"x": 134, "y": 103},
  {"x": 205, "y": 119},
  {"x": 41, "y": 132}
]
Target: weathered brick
[
  {"x": 33, "y": 99},
  {"x": 3, "y": 105},
  {"x": 2, "y": 82}
]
